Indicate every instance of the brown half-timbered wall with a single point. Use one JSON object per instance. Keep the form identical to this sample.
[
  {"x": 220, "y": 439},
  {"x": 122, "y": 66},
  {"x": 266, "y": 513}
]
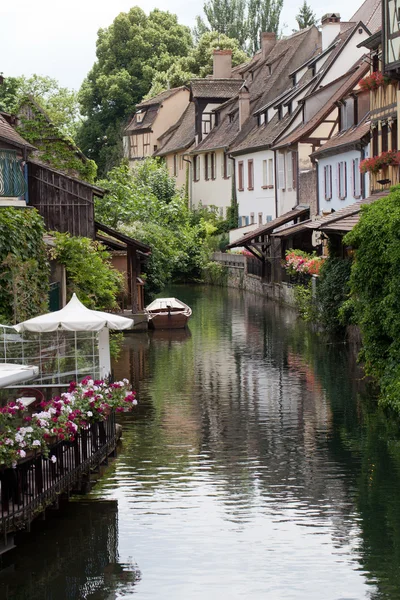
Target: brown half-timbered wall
[{"x": 65, "y": 204}]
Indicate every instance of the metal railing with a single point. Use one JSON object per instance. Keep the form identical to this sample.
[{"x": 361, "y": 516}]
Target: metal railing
[{"x": 37, "y": 482}]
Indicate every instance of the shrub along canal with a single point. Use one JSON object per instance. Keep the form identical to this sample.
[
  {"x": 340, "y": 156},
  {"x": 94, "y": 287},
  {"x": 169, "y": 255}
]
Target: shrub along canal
[{"x": 255, "y": 466}]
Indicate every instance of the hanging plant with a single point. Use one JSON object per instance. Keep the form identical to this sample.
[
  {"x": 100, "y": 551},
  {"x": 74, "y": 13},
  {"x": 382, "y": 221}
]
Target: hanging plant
[
  {"x": 376, "y": 163},
  {"x": 374, "y": 81}
]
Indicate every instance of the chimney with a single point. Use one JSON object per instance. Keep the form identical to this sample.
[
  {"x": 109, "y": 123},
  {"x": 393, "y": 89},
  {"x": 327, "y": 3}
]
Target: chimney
[
  {"x": 268, "y": 41},
  {"x": 330, "y": 27},
  {"x": 222, "y": 64},
  {"x": 244, "y": 105}
]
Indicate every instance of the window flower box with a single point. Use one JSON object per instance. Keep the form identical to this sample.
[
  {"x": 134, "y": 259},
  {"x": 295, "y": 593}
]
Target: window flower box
[
  {"x": 376, "y": 163},
  {"x": 374, "y": 81}
]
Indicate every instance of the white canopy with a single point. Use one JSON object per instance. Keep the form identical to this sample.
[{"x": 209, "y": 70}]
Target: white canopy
[{"x": 75, "y": 317}]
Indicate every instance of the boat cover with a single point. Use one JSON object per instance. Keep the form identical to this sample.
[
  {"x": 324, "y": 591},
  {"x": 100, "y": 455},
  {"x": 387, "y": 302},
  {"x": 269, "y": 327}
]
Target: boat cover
[{"x": 163, "y": 303}]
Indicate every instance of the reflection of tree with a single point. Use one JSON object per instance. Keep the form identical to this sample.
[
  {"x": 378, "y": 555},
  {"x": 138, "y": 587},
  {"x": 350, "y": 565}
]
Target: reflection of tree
[{"x": 73, "y": 556}]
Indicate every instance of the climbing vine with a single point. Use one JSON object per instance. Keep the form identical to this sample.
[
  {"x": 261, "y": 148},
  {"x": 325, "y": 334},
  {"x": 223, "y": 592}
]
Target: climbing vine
[
  {"x": 53, "y": 146},
  {"x": 24, "y": 269}
]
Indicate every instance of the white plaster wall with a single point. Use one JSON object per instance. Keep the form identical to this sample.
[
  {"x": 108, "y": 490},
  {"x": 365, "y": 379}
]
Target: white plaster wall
[
  {"x": 169, "y": 113},
  {"x": 348, "y": 57},
  {"x": 181, "y": 170},
  {"x": 212, "y": 192},
  {"x": 287, "y": 197},
  {"x": 258, "y": 200},
  {"x": 336, "y": 203}
]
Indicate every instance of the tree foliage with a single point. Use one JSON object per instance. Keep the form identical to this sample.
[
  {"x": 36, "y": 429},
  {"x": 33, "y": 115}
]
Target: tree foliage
[
  {"x": 306, "y": 16},
  {"x": 375, "y": 289},
  {"x": 243, "y": 20},
  {"x": 24, "y": 269},
  {"x": 89, "y": 271},
  {"x": 146, "y": 205},
  {"x": 60, "y": 103},
  {"x": 332, "y": 292},
  {"x": 129, "y": 52}
]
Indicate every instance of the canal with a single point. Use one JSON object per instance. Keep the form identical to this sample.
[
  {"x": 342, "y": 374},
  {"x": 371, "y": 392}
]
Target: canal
[{"x": 256, "y": 466}]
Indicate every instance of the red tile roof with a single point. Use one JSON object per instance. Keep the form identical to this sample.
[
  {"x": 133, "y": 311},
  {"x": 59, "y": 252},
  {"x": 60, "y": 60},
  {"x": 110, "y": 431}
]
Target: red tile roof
[{"x": 345, "y": 138}]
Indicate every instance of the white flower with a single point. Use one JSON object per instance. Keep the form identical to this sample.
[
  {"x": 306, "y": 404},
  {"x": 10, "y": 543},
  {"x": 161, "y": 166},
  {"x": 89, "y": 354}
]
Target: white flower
[
  {"x": 19, "y": 438},
  {"x": 125, "y": 381},
  {"x": 29, "y": 429},
  {"x": 53, "y": 459},
  {"x": 36, "y": 443},
  {"x": 89, "y": 413},
  {"x": 9, "y": 442},
  {"x": 22, "y": 453}
]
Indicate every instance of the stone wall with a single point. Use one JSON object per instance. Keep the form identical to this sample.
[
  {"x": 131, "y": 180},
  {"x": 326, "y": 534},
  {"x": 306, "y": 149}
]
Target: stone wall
[{"x": 239, "y": 278}]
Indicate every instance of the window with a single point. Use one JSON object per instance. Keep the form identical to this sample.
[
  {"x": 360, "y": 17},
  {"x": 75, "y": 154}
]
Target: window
[
  {"x": 181, "y": 162},
  {"x": 240, "y": 176},
  {"x": 328, "y": 182},
  {"x": 269, "y": 219},
  {"x": 175, "y": 165},
  {"x": 289, "y": 170},
  {"x": 375, "y": 146},
  {"x": 140, "y": 116},
  {"x": 384, "y": 133},
  {"x": 394, "y": 134},
  {"x": 281, "y": 171},
  {"x": 265, "y": 174},
  {"x": 261, "y": 119},
  {"x": 134, "y": 146},
  {"x": 225, "y": 166},
  {"x": 260, "y": 217},
  {"x": 12, "y": 182},
  {"x": 146, "y": 144},
  {"x": 196, "y": 170},
  {"x": 213, "y": 165},
  {"x": 155, "y": 148},
  {"x": 252, "y": 218},
  {"x": 356, "y": 178},
  {"x": 342, "y": 180},
  {"x": 347, "y": 113},
  {"x": 250, "y": 175},
  {"x": 375, "y": 63}
]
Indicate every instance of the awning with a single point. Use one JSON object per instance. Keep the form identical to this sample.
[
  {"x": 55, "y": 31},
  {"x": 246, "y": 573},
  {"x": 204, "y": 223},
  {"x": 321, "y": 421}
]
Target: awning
[
  {"x": 292, "y": 229},
  {"x": 14, "y": 374},
  {"x": 268, "y": 228}
]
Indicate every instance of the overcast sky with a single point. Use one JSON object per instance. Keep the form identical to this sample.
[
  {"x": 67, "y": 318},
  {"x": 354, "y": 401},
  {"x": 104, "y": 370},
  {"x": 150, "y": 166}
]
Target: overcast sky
[{"x": 58, "y": 38}]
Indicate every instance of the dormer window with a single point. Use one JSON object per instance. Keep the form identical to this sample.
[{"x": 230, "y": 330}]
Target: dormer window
[
  {"x": 261, "y": 119},
  {"x": 231, "y": 117},
  {"x": 280, "y": 112},
  {"x": 140, "y": 116}
]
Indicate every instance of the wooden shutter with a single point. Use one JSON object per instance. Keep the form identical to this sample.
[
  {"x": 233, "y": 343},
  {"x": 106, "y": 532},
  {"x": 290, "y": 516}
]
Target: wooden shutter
[
  {"x": 294, "y": 170},
  {"x": 206, "y": 167},
  {"x": 289, "y": 170},
  {"x": 281, "y": 171}
]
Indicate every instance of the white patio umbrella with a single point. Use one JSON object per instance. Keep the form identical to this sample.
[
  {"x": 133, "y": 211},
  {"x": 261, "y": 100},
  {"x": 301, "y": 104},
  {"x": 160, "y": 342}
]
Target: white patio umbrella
[{"x": 76, "y": 317}]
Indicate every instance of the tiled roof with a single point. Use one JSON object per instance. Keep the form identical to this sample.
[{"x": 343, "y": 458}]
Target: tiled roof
[
  {"x": 8, "y": 134},
  {"x": 345, "y": 138},
  {"x": 370, "y": 13},
  {"x": 343, "y": 217},
  {"x": 147, "y": 122},
  {"x": 305, "y": 129},
  {"x": 181, "y": 135},
  {"x": 215, "y": 88},
  {"x": 297, "y": 212},
  {"x": 161, "y": 97},
  {"x": 292, "y": 229}
]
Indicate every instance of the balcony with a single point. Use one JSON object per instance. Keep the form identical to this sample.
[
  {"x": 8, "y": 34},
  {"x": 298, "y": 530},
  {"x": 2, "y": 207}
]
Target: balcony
[{"x": 12, "y": 181}]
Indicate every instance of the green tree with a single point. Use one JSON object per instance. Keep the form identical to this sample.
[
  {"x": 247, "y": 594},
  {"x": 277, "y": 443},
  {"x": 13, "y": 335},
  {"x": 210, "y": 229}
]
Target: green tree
[
  {"x": 224, "y": 16},
  {"x": 198, "y": 63},
  {"x": 60, "y": 103},
  {"x": 263, "y": 15},
  {"x": 306, "y": 16},
  {"x": 375, "y": 289},
  {"x": 129, "y": 52},
  {"x": 146, "y": 205}
]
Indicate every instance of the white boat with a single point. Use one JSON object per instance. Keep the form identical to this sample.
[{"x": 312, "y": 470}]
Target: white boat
[{"x": 168, "y": 313}]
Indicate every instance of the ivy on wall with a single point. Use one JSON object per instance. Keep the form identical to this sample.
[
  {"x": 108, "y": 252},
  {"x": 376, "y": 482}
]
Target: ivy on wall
[
  {"x": 24, "y": 269},
  {"x": 54, "y": 147}
]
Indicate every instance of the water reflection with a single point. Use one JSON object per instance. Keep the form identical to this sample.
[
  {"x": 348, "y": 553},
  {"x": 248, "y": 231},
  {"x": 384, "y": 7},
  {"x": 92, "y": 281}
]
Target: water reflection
[
  {"x": 257, "y": 465},
  {"x": 73, "y": 555}
]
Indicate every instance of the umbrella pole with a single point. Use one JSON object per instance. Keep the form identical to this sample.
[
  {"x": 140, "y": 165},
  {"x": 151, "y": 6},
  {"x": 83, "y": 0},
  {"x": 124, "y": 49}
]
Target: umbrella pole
[{"x": 104, "y": 353}]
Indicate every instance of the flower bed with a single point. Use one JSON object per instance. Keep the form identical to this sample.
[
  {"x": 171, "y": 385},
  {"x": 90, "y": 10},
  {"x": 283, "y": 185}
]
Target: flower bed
[
  {"x": 297, "y": 261},
  {"x": 374, "y": 81},
  {"x": 376, "y": 163},
  {"x": 61, "y": 418}
]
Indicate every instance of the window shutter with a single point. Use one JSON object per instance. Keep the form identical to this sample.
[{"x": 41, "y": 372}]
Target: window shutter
[
  {"x": 289, "y": 170},
  {"x": 294, "y": 169},
  {"x": 345, "y": 179},
  {"x": 281, "y": 171},
  {"x": 354, "y": 178},
  {"x": 247, "y": 220}
]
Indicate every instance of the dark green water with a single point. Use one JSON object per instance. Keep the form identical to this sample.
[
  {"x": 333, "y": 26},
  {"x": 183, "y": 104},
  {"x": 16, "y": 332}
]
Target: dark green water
[{"x": 255, "y": 467}]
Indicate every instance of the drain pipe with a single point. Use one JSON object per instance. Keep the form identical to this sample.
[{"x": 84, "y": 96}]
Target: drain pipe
[
  {"x": 190, "y": 189},
  {"x": 234, "y": 202}
]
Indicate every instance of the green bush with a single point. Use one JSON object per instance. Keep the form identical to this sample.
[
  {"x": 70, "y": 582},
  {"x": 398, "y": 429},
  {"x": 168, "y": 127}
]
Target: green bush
[
  {"x": 332, "y": 292},
  {"x": 89, "y": 271},
  {"x": 215, "y": 274},
  {"x": 304, "y": 302},
  {"x": 375, "y": 289}
]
